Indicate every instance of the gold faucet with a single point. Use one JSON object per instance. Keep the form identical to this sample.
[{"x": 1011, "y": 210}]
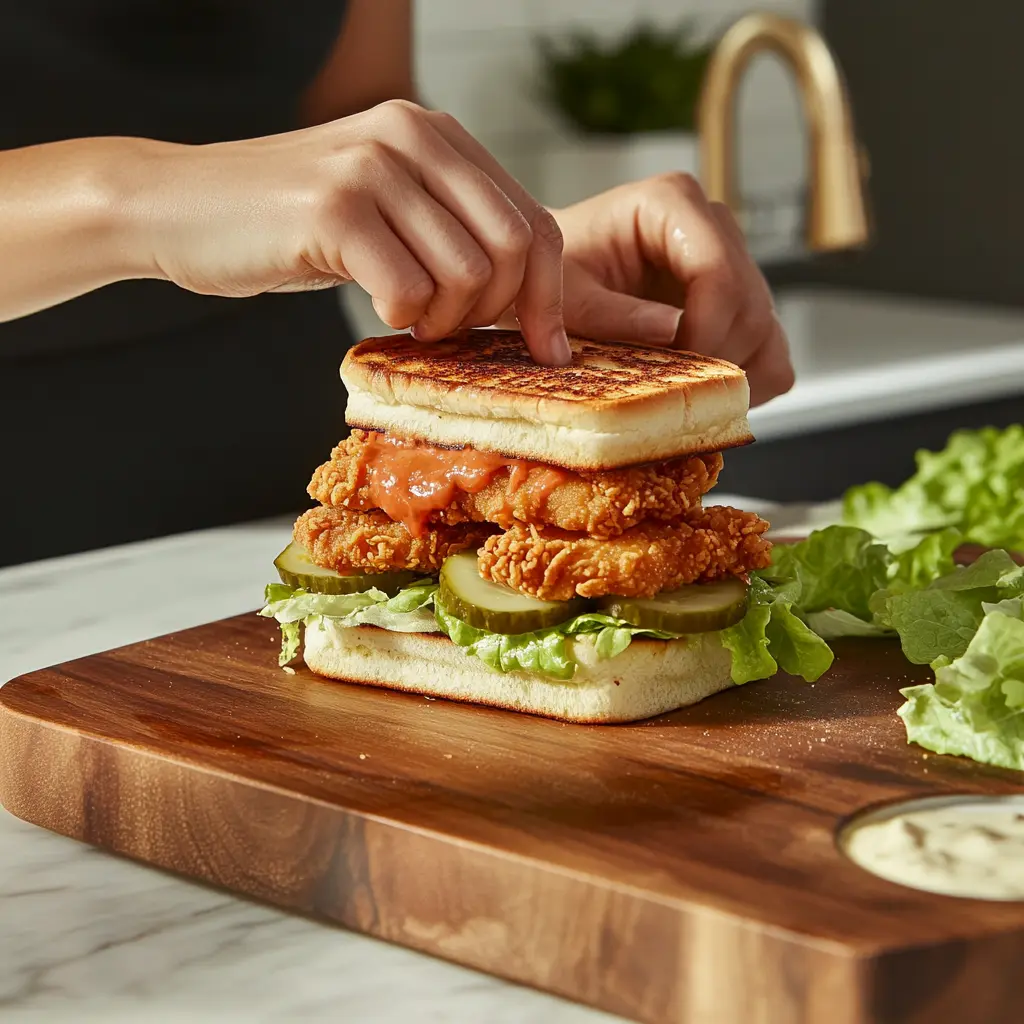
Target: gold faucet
[{"x": 837, "y": 215}]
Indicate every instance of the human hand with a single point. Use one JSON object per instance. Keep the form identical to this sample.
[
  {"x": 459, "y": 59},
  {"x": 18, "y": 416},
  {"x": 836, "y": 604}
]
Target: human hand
[
  {"x": 655, "y": 262},
  {"x": 401, "y": 200}
]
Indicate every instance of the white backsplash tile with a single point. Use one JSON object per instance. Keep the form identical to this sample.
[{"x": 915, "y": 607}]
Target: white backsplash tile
[
  {"x": 490, "y": 83},
  {"x": 602, "y": 14},
  {"x": 442, "y": 18}
]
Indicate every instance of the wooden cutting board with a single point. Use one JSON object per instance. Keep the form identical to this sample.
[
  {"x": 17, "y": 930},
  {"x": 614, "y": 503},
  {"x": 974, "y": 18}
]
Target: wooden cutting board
[{"x": 679, "y": 870}]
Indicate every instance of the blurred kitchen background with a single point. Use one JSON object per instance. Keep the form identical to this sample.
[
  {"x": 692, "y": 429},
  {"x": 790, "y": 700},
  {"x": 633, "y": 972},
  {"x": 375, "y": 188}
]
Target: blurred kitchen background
[{"x": 896, "y": 343}]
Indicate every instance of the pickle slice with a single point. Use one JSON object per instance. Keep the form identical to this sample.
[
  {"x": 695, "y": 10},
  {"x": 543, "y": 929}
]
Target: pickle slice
[
  {"x": 297, "y": 569},
  {"x": 696, "y": 608},
  {"x": 494, "y": 607}
]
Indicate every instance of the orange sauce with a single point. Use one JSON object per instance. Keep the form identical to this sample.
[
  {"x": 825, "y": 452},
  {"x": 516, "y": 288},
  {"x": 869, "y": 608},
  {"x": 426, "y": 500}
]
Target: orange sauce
[
  {"x": 410, "y": 480},
  {"x": 542, "y": 486}
]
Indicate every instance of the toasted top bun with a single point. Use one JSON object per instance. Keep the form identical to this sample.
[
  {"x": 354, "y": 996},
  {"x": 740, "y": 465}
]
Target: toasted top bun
[{"x": 615, "y": 405}]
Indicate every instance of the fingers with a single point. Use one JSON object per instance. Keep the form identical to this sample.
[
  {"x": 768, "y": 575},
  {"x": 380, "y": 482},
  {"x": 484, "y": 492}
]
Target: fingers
[
  {"x": 757, "y": 338},
  {"x": 373, "y": 256},
  {"x": 728, "y": 310},
  {"x": 492, "y": 219},
  {"x": 680, "y": 229},
  {"x": 461, "y": 271},
  {"x": 538, "y": 304},
  {"x": 755, "y": 314},
  {"x": 770, "y": 370},
  {"x": 487, "y": 245},
  {"x": 606, "y": 315}
]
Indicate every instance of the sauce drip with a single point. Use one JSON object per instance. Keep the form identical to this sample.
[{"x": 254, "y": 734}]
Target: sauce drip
[{"x": 410, "y": 480}]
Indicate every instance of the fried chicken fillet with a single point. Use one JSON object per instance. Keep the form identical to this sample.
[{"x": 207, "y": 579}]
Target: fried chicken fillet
[
  {"x": 367, "y": 542},
  {"x": 601, "y": 504},
  {"x": 556, "y": 565}
]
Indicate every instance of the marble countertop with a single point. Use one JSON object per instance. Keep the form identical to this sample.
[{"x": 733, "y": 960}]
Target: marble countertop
[
  {"x": 88, "y": 936},
  {"x": 862, "y": 357}
]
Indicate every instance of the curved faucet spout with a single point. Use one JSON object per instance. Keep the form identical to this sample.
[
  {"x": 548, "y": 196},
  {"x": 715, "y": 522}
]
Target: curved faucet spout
[{"x": 837, "y": 216}]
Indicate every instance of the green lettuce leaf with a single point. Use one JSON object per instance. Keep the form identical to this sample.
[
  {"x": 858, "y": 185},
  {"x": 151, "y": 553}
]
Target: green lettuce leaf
[
  {"x": 1012, "y": 606},
  {"x": 975, "y": 707},
  {"x": 844, "y": 575},
  {"x": 941, "y": 619},
  {"x": 991, "y": 569},
  {"x": 545, "y": 651},
  {"x": 834, "y": 622},
  {"x": 833, "y": 584},
  {"x": 291, "y": 636},
  {"x": 838, "y": 567},
  {"x": 771, "y": 636},
  {"x": 976, "y": 484},
  {"x": 288, "y": 604},
  {"x": 932, "y": 557},
  {"x": 409, "y": 611},
  {"x": 747, "y": 642}
]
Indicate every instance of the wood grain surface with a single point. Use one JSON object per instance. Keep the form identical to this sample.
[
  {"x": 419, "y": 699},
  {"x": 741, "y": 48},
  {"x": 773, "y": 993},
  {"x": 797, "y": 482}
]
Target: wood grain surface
[{"x": 682, "y": 869}]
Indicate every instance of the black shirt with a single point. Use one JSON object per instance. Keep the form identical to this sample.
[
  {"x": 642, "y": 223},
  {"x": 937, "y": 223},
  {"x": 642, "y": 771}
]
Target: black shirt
[{"x": 143, "y": 409}]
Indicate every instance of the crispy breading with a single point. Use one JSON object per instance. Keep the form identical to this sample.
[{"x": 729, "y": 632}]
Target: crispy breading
[
  {"x": 556, "y": 565},
  {"x": 350, "y": 542},
  {"x": 602, "y": 504}
]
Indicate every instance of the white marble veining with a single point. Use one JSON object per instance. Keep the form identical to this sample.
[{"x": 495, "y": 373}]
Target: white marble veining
[{"x": 88, "y": 936}]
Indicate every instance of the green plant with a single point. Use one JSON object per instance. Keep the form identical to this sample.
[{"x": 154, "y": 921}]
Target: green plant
[{"x": 647, "y": 81}]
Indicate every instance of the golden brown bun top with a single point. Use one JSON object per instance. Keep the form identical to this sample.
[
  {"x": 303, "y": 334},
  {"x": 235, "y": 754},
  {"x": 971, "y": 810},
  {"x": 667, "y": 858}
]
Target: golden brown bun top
[
  {"x": 615, "y": 405},
  {"x": 602, "y": 373}
]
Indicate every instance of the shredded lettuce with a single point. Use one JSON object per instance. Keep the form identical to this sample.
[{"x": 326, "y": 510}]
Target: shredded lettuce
[
  {"x": 975, "y": 483},
  {"x": 291, "y": 637},
  {"x": 409, "y": 611},
  {"x": 545, "y": 651},
  {"x": 769, "y": 636}
]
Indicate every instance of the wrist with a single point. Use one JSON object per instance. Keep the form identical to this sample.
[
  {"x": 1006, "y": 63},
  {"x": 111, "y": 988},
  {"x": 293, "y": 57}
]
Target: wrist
[{"x": 119, "y": 199}]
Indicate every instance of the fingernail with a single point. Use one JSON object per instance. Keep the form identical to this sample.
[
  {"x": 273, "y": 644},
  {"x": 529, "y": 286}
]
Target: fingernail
[{"x": 659, "y": 325}]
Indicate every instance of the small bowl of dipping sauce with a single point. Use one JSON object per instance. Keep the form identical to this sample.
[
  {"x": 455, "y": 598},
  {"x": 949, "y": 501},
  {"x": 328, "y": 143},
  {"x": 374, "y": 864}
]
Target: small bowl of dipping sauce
[{"x": 967, "y": 846}]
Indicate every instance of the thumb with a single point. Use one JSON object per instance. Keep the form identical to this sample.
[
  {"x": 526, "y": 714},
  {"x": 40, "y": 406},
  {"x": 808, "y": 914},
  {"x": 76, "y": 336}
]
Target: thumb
[{"x": 605, "y": 315}]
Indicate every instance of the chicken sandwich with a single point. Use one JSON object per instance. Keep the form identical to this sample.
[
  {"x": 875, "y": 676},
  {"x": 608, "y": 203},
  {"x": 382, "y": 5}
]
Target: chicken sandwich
[{"x": 524, "y": 536}]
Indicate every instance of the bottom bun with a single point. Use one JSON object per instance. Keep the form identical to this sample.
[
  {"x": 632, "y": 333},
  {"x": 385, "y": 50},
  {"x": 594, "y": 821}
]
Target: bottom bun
[{"x": 649, "y": 678}]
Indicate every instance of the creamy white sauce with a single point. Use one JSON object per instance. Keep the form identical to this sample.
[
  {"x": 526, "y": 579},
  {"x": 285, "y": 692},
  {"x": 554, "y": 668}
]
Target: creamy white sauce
[{"x": 958, "y": 846}]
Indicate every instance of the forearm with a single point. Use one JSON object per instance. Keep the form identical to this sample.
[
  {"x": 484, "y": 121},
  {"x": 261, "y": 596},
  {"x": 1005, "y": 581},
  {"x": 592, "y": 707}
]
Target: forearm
[{"x": 69, "y": 217}]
